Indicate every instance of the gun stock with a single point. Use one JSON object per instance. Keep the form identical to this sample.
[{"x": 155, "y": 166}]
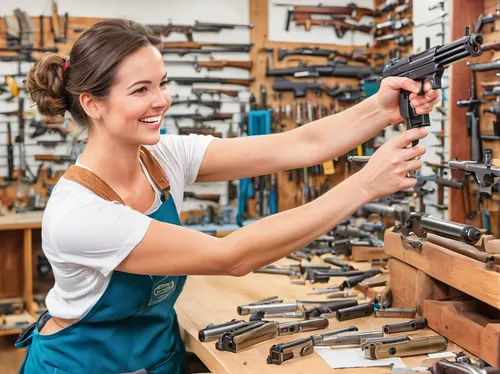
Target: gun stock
[
  {"x": 200, "y": 91},
  {"x": 220, "y": 64},
  {"x": 241, "y": 82}
]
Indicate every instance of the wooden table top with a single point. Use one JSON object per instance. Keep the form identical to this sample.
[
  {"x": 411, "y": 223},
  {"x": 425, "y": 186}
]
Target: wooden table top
[
  {"x": 213, "y": 299},
  {"x": 21, "y": 221}
]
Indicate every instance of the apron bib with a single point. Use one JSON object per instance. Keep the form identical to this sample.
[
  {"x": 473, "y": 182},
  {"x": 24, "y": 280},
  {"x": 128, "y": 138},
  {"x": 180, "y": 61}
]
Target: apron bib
[{"x": 133, "y": 327}]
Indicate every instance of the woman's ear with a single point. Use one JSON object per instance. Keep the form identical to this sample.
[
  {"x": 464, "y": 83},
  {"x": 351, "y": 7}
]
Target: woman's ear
[{"x": 89, "y": 105}]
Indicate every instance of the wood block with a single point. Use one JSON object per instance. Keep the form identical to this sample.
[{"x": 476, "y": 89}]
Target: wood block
[
  {"x": 410, "y": 286},
  {"x": 361, "y": 253},
  {"x": 468, "y": 323},
  {"x": 457, "y": 271}
]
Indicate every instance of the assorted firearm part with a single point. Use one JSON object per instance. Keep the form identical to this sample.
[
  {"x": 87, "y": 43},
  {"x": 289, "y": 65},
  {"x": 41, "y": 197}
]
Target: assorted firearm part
[
  {"x": 420, "y": 224},
  {"x": 413, "y": 347},
  {"x": 396, "y": 313},
  {"x": 412, "y": 325},
  {"x": 280, "y": 353}
]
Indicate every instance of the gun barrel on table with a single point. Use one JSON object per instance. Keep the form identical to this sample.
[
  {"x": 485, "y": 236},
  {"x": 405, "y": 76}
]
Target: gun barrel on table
[{"x": 421, "y": 223}]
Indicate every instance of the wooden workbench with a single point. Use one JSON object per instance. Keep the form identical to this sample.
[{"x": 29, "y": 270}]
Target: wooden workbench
[
  {"x": 213, "y": 299},
  {"x": 16, "y": 258}
]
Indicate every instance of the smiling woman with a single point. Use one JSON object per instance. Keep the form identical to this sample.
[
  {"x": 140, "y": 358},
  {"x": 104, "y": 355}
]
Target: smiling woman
[{"x": 111, "y": 228}]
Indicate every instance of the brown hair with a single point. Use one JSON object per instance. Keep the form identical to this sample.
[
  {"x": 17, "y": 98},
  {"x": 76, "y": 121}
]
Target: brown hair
[{"x": 91, "y": 67}]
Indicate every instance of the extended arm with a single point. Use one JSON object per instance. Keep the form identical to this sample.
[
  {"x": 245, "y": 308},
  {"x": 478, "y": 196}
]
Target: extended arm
[
  {"x": 313, "y": 143},
  {"x": 173, "y": 250}
]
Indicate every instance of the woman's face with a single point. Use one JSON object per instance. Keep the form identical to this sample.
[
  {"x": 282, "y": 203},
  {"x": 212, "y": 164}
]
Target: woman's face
[{"x": 138, "y": 99}]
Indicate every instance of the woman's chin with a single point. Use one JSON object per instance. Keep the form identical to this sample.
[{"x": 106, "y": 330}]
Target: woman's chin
[{"x": 150, "y": 139}]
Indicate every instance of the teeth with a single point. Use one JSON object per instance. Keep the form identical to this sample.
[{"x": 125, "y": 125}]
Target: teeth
[{"x": 151, "y": 119}]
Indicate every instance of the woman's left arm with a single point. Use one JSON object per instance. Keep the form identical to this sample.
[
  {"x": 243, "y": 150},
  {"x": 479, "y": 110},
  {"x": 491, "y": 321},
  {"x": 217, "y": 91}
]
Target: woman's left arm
[{"x": 315, "y": 142}]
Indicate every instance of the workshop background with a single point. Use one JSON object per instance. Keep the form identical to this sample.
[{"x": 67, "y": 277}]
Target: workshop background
[{"x": 266, "y": 98}]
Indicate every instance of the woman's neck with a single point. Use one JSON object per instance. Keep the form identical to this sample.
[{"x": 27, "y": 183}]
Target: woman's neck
[{"x": 116, "y": 163}]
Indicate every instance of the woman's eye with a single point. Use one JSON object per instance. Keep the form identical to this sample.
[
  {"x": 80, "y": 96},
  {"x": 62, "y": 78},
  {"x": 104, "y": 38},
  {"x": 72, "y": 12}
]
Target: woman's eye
[
  {"x": 139, "y": 90},
  {"x": 163, "y": 84}
]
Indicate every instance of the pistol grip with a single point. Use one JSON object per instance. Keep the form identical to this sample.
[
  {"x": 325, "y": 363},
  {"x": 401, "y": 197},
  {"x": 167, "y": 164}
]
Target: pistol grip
[{"x": 411, "y": 118}]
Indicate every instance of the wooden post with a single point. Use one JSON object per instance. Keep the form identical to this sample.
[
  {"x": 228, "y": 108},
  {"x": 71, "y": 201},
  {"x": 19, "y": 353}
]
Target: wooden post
[
  {"x": 28, "y": 271},
  {"x": 463, "y": 13}
]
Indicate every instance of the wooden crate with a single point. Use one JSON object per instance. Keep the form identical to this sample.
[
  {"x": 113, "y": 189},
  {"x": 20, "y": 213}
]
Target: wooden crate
[
  {"x": 455, "y": 270},
  {"x": 469, "y": 323}
]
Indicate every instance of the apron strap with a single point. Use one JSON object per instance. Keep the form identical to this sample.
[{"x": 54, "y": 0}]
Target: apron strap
[
  {"x": 155, "y": 172},
  {"x": 94, "y": 183}
]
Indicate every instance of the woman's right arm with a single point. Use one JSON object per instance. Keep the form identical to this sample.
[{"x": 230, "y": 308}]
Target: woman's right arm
[{"x": 168, "y": 249}]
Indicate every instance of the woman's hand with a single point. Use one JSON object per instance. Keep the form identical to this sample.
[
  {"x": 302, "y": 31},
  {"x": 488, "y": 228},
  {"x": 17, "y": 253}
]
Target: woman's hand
[
  {"x": 386, "y": 171},
  {"x": 388, "y": 97}
]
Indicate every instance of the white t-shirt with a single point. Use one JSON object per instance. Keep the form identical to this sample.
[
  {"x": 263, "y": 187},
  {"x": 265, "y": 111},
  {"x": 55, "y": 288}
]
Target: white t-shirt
[{"x": 85, "y": 237}]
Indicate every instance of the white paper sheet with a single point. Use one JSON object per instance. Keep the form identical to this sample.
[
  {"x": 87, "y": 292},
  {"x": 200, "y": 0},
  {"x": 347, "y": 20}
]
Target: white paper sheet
[
  {"x": 353, "y": 358},
  {"x": 442, "y": 355}
]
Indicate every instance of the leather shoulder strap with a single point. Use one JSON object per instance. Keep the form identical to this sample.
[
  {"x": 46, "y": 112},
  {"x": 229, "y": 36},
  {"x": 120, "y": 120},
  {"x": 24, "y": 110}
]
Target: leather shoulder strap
[
  {"x": 155, "y": 172},
  {"x": 91, "y": 181},
  {"x": 95, "y": 184}
]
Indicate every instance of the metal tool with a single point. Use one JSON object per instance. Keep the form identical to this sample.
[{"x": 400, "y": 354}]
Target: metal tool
[
  {"x": 396, "y": 313},
  {"x": 350, "y": 338},
  {"x": 414, "y": 347},
  {"x": 416, "y": 324},
  {"x": 247, "y": 336},
  {"x": 280, "y": 353},
  {"x": 212, "y": 332},
  {"x": 358, "y": 311},
  {"x": 341, "y": 295},
  {"x": 275, "y": 308}
]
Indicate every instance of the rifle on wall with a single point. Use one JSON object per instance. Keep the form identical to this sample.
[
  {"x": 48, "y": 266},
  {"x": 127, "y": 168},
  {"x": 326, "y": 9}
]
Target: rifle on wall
[
  {"x": 212, "y": 64},
  {"x": 198, "y": 26},
  {"x": 306, "y": 11}
]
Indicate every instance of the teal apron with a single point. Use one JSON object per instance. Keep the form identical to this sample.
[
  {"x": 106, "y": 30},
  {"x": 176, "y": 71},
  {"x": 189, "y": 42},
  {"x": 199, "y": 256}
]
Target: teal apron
[{"x": 132, "y": 328}]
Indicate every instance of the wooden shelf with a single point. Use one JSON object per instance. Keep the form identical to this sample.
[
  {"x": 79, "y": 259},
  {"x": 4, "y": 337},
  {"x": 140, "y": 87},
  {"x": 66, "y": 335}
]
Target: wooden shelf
[{"x": 455, "y": 270}]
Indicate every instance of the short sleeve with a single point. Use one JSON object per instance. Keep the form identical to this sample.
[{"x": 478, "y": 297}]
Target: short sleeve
[
  {"x": 99, "y": 235},
  {"x": 189, "y": 150}
]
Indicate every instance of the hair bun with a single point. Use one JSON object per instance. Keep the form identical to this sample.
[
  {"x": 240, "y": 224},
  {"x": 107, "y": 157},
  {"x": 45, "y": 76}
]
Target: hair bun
[{"x": 45, "y": 83}]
